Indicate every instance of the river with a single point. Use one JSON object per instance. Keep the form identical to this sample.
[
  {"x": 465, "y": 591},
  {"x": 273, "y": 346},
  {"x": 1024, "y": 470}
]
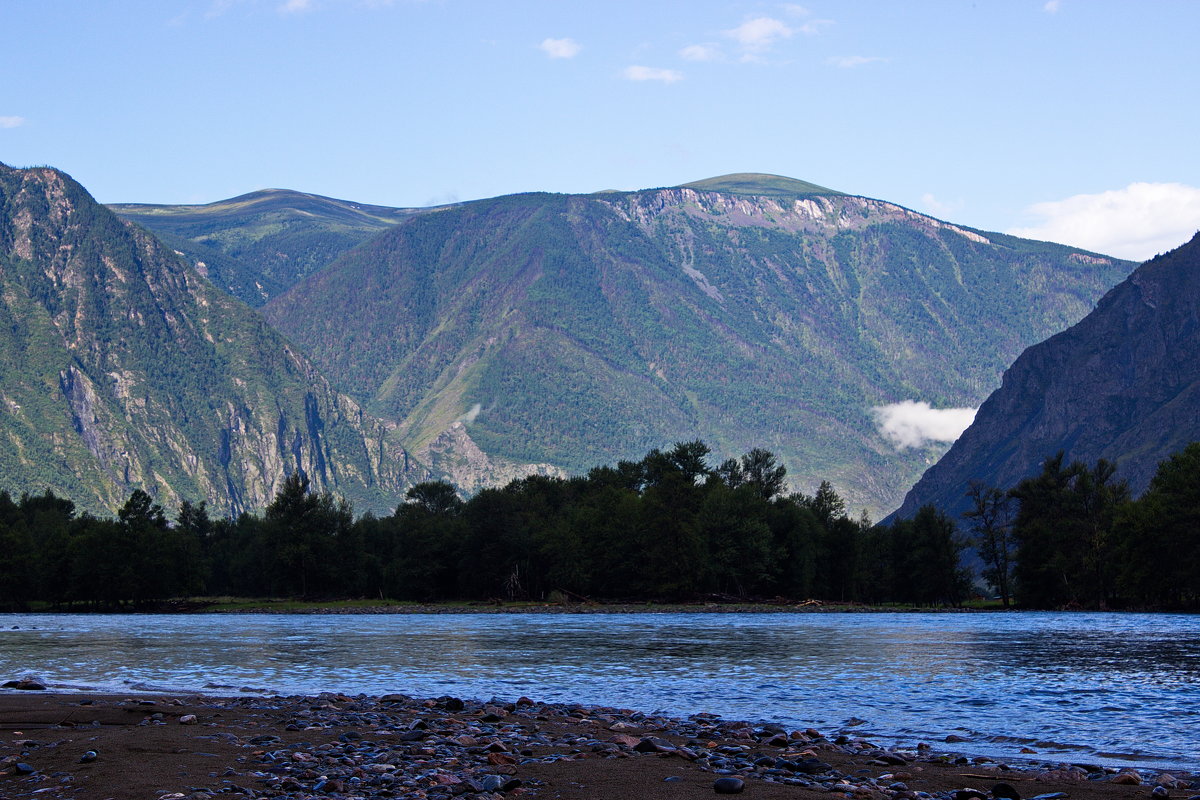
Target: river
[{"x": 1113, "y": 688}]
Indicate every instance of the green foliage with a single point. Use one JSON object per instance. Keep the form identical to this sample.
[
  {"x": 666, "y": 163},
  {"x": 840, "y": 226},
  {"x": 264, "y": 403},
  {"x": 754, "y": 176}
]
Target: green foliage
[
  {"x": 667, "y": 527},
  {"x": 259, "y": 245},
  {"x": 590, "y": 328},
  {"x": 122, "y": 369}
]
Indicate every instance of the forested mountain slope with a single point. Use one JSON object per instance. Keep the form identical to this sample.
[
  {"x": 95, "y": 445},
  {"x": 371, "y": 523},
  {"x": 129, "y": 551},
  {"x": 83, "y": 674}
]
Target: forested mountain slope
[
  {"x": 1123, "y": 385},
  {"x": 257, "y": 245},
  {"x": 122, "y": 368},
  {"x": 748, "y": 310}
]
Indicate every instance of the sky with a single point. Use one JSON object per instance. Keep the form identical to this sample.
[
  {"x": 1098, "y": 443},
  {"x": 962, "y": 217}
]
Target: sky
[{"x": 1067, "y": 120}]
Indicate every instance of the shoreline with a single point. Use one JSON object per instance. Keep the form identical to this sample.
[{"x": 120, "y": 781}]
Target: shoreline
[
  {"x": 177, "y": 746},
  {"x": 204, "y": 606}
]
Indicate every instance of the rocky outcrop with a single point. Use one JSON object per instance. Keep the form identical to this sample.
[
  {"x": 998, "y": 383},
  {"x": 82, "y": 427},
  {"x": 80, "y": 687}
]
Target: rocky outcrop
[
  {"x": 123, "y": 368},
  {"x": 455, "y": 454},
  {"x": 1123, "y": 385}
]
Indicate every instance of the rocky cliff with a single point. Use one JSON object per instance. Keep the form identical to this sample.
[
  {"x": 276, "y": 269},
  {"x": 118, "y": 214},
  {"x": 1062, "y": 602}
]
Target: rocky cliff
[
  {"x": 1123, "y": 384},
  {"x": 121, "y": 367}
]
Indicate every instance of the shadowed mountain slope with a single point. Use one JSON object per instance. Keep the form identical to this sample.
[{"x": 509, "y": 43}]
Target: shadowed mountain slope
[
  {"x": 1123, "y": 384},
  {"x": 576, "y": 330}
]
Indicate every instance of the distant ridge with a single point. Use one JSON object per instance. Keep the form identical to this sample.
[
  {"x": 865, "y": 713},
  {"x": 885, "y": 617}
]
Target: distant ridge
[
  {"x": 759, "y": 184},
  {"x": 257, "y": 245}
]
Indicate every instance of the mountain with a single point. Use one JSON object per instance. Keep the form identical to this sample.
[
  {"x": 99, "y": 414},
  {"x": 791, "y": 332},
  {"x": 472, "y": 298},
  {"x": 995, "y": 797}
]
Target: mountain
[
  {"x": 1123, "y": 384},
  {"x": 122, "y": 368},
  {"x": 257, "y": 245},
  {"x": 747, "y": 310}
]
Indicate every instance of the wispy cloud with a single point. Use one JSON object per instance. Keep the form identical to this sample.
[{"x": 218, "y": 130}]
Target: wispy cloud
[
  {"x": 294, "y": 6},
  {"x": 640, "y": 73},
  {"x": 560, "y": 48},
  {"x": 11, "y": 122},
  {"x": 1136, "y": 222},
  {"x": 760, "y": 33},
  {"x": 1052, "y": 6},
  {"x": 701, "y": 52},
  {"x": 915, "y": 424},
  {"x": 938, "y": 207},
  {"x": 850, "y": 62}
]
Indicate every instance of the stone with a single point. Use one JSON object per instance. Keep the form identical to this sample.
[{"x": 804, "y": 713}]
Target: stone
[
  {"x": 653, "y": 744},
  {"x": 88, "y": 757},
  {"x": 1127, "y": 779},
  {"x": 1160, "y": 792},
  {"x": 967, "y": 793},
  {"x": 1006, "y": 790},
  {"x": 26, "y": 685},
  {"x": 188, "y": 719},
  {"x": 729, "y": 785}
]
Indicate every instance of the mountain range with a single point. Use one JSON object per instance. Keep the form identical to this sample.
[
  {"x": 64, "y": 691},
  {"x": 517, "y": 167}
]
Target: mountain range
[
  {"x": 1123, "y": 385},
  {"x": 749, "y": 310},
  {"x": 121, "y": 367},
  {"x": 487, "y": 339}
]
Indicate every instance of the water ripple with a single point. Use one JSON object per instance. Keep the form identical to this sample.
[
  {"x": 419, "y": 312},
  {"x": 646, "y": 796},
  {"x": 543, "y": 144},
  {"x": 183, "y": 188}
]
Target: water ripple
[{"x": 1125, "y": 686}]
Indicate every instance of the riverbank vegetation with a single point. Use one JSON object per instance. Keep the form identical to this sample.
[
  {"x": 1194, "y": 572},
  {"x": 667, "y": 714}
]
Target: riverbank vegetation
[{"x": 667, "y": 528}]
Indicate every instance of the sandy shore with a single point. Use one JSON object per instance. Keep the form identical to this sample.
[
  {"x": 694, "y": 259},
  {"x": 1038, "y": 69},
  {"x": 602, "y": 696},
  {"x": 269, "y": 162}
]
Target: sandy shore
[{"x": 94, "y": 747}]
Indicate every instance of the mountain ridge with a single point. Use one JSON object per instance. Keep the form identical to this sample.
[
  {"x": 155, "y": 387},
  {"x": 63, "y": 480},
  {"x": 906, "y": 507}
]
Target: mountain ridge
[
  {"x": 1120, "y": 385},
  {"x": 124, "y": 368},
  {"x": 572, "y": 330}
]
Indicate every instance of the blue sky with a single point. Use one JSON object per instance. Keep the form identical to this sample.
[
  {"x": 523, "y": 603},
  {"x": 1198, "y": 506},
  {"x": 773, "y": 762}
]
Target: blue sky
[{"x": 1073, "y": 120}]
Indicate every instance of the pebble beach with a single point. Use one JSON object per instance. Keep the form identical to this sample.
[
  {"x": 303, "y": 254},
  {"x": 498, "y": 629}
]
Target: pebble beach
[{"x": 163, "y": 747}]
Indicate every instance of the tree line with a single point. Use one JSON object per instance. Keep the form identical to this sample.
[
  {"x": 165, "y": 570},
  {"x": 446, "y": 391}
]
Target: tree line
[
  {"x": 1071, "y": 536},
  {"x": 669, "y": 527}
]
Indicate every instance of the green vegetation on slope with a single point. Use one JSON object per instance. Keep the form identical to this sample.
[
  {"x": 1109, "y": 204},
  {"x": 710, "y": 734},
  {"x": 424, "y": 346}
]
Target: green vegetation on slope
[
  {"x": 270, "y": 239},
  {"x": 758, "y": 184},
  {"x": 123, "y": 368},
  {"x": 587, "y": 328}
]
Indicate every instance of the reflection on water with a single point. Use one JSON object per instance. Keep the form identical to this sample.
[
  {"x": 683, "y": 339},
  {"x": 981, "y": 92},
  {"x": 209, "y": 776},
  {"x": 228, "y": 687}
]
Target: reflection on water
[{"x": 1122, "y": 686}]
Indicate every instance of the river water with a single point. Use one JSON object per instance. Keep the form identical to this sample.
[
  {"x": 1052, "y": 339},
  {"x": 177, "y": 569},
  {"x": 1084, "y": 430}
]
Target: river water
[{"x": 1113, "y": 688}]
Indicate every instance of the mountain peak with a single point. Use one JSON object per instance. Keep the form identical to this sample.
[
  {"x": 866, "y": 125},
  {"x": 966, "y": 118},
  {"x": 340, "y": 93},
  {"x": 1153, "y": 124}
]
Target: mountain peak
[{"x": 758, "y": 183}]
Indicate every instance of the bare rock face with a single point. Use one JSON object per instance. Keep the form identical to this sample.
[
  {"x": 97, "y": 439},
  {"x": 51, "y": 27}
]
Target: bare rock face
[
  {"x": 455, "y": 454},
  {"x": 1123, "y": 384},
  {"x": 123, "y": 368}
]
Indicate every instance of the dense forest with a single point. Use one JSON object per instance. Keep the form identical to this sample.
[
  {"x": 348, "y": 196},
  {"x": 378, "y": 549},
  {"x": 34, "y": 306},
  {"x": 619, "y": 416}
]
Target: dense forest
[{"x": 668, "y": 527}]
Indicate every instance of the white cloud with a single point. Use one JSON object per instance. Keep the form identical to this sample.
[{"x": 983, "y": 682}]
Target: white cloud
[
  {"x": 915, "y": 424},
  {"x": 701, "y": 52},
  {"x": 470, "y": 416},
  {"x": 814, "y": 27},
  {"x": 760, "y": 33},
  {"x": 849, "y": 62},
  {"x": 11, "y": 122},
  {"x": 292, "y": 6},
  {"x": 935, "y": 206},
  {"x": 639, "y": 73},
  {"x": 560, "y": 48},
  {"x": 1052, "y": 6},
  {"x": 1136, "y": 222}
]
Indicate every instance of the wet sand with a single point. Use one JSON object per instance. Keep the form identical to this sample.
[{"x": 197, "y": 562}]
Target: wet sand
[{"x": 333, "y": 746}]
